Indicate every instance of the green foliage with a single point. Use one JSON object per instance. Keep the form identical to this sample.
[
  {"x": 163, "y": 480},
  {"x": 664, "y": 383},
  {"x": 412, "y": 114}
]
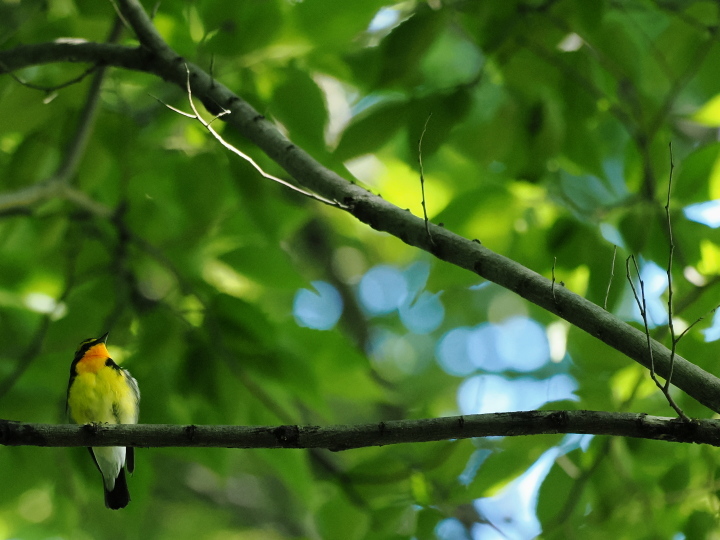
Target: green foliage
[{"x": 548, "y": 124}]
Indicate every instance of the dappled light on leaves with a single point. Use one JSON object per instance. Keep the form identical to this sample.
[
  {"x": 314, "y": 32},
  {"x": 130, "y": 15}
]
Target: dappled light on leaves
[
  {"x": 382, "y": 290},
  {"x": 35, "y": 505},
  {"x": 384, "y": 19},
  {"x": 516, "y": 344},
  {"x": 712, "y": 333},
  {"x": 707, "y": 213},
  {"x": 522, "y": 344},
  {"x": 397, "y": 356},
  {"x": 542, "y": 132},
  {"x": 453, "y": 352},
  {"x": 451, "y": 529},
  {"x": 515, "y": 505},
  {"x": 492, "y": 393},
  {"x": 424, "y": 315},
  {"x": 320, "y": 310},
  {"x": 43, "y": 303}
]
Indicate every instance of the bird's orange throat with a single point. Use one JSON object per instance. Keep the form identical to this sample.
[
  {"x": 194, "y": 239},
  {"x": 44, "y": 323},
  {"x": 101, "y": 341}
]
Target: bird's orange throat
[{"x": 93, "y": 360}]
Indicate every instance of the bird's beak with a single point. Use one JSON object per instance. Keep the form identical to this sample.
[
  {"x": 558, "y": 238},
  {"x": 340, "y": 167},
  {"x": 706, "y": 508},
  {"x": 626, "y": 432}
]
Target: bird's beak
[{"x": 104, "y": 337}]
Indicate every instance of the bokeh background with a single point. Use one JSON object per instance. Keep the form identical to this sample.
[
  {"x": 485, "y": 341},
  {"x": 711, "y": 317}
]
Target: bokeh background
[{"x": 233, "y": 300}]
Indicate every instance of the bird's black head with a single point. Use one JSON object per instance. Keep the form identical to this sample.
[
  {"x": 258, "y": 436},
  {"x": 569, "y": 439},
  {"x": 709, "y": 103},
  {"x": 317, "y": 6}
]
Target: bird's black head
[{"x": 86, "y": 344}]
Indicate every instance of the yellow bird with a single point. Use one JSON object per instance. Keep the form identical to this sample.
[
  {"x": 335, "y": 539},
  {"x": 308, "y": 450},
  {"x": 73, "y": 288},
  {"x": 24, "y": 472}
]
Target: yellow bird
[{"x": 101, "y": 392}]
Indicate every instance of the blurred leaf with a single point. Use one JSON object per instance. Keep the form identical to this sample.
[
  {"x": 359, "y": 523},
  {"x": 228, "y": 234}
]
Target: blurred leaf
[
  {"x": 240, "y": 30},
  {"x": 331, "y": 25},
  {"x": 442, "y": 113},
  {"x": 299, "y": 104},
  {"x": 404, "y": 48},
  {"x": 700, "y": 525},
  {"x": 677, "y": 478},
  {"x": 270, "y": 267},
  {"x": 553, "y": 494},
  {"x": 371, "y": 129},
  {"x": 339, "y": 519}
]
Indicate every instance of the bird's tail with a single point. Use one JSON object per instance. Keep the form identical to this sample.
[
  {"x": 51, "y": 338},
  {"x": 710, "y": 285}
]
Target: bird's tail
[{"x": 119, "y": 496}]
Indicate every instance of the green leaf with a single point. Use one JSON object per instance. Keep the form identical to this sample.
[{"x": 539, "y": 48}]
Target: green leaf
[
  {"x": 441, "y": 112},
  {"x": 265, "y": 264},
  {"x": 331, "y": 25},
  {"x": 405, "y": 47},
  {"x": 553, "y": 495},
  {"x": 371, "y": 129},
  {"x": 700, "y": 524},
  {"x": 244, "y": 28},
  {"x": 338, "y": 518},
  {"x": 677, "y": 478},
  {"x": 300, "y": 106}
]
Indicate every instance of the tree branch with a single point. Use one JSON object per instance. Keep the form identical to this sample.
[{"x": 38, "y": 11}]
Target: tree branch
[
  {"x": 346, "y": 437},
  {"x": 368, "y": 208},
  {"x": 75, "y": 51}
]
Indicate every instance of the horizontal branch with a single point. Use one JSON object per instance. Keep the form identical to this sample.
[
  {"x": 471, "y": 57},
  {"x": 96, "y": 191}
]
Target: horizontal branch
[
  {"x": 344, "y": 437},
  {"x": 155, "y": 56}
]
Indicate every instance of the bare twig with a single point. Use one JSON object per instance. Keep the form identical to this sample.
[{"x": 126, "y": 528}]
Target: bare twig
[
  {"x": 48, "y": 89},
  {"x": 552, "y": 287},
  {"x": 422, "y": 177},
  {"x": 682, "y": 334},
  {"x": 196, "y": 115},
  {"x": 612, "y": 274},
  {"x": 640, "y": 300},
  {"x": 671, "y": 326}
]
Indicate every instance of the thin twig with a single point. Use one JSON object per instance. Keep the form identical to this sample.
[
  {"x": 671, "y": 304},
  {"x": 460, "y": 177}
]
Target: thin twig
[
  {"x": 196, "y": 115},
  {"x": 122, "y": 18},
  {"x": 640, "y": 300},
  {"x": 642, "y": 306},
  {"x": 682, "y": 334},
  {"x": 48, "y": 89},
  {"x": 612, "y": 274},
  {"x": 174, "y": 109},
  {"x": 422, "y": 177},
  {"x": 671, "y": 326},
  {"x": 552, "y": 287}
]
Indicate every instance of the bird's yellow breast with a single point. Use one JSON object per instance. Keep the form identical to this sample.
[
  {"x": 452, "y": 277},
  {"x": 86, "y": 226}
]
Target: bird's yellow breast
[{"x": 101, "y": 394}]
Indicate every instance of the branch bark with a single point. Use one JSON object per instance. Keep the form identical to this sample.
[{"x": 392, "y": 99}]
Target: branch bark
[
  {"x": 155, "y": 56},
  {"x": 346, "y": 437}
]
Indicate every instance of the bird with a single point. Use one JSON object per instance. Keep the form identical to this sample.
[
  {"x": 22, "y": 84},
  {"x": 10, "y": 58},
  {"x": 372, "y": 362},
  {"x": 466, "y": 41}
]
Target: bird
[{"x": 101, "y": 392}]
